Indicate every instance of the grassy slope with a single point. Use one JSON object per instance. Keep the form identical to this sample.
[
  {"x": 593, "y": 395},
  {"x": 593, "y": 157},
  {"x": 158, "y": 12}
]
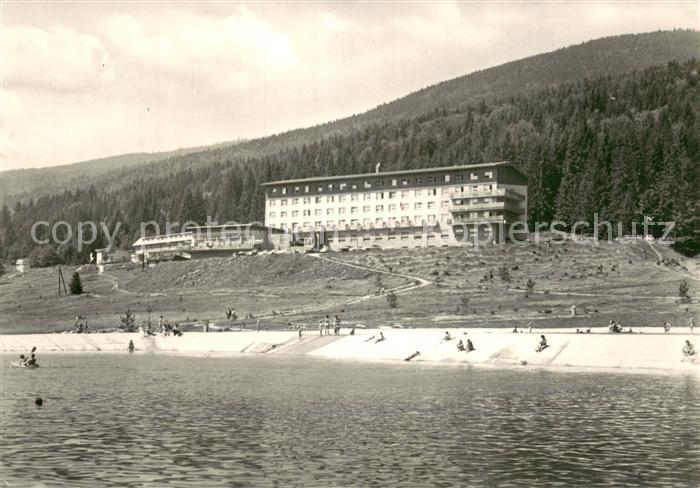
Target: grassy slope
[{"x": 629, "y": 286}]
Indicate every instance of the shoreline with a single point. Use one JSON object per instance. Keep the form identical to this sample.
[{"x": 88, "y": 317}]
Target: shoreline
[{"x": 494, "y": 348}]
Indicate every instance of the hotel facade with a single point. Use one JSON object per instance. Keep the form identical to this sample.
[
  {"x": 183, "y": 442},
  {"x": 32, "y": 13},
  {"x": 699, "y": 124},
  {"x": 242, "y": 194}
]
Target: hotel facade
[{"x": 413, "y": 208}]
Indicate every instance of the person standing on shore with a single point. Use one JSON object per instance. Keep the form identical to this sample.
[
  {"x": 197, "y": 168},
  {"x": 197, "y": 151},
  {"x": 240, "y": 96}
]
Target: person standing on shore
[
  {"x": 691, "y": 324},
  {"x": 300, "y": 332},
  {"x": 320, "y": 327}
]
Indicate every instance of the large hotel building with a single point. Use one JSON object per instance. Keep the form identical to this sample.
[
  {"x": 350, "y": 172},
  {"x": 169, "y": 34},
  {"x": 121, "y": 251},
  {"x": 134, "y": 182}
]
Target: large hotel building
[{"x": 413, "y": 208}]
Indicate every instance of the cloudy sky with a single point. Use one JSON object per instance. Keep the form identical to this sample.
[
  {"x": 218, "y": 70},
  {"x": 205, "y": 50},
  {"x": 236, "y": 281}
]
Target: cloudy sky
[{"x": 86, "y": 80}]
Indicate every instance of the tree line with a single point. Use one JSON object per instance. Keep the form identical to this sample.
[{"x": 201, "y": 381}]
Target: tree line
[{"x": 623, "y": 147}]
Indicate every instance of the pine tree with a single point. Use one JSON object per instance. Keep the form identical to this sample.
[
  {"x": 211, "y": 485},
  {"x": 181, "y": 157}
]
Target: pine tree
[{"x": 75, "y": 285}]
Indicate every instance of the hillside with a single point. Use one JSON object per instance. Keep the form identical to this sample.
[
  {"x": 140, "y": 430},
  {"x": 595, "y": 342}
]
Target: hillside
[
  {"x": 607, "y": 56},
  {"x": 23, "y": 184},
  {"x": 437, "y": 287},
  {"x": 617, "y": 148}
]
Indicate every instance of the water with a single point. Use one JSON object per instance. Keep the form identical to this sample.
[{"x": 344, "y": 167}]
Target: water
[{"x": 151, "y": 420}]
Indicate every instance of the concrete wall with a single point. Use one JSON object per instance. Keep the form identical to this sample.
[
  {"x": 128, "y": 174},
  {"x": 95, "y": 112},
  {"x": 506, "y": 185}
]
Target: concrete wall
[{"x": 634, "y": 352}]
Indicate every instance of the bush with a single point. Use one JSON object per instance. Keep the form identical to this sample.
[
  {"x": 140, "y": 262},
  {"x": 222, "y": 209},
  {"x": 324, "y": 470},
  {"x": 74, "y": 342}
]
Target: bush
[
  {"x": 75, "y": 286},
  {"x": 683, "y": 291},
  {"x": 392, "y": 299},
  {"x": 128, "y": 321},
  {"x": 504, "y": 274}
]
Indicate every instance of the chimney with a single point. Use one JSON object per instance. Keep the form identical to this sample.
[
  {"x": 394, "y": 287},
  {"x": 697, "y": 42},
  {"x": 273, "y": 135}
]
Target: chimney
[{"x": 376, "y": 168}]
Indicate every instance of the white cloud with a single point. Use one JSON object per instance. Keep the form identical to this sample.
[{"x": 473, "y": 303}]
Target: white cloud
[
  {"x": 56, "y": 58},
  {"x": 229, "y": 50}
]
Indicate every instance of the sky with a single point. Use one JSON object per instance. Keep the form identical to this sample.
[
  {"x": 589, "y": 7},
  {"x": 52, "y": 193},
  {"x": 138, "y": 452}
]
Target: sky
[{"x": 81, "y": 80}]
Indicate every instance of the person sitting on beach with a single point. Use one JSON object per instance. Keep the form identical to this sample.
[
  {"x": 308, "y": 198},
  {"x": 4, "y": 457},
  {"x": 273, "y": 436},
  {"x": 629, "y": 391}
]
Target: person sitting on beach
[
  {"x": 22, "y": 360},
  {"x": 667, "y": 327},
  {"x": 352, "y": 331},
  {"x": 31, "y": 361},
  {"x": 688, "y": 349},
  {"x": 381, "y": 338},
  {"x": 460, "y": 346},
  {"x": 417, "y": 353},
  {"x": 470, "y": 346},
  {"x": 447, "y": 337},
  {"x": 543, "y": 344},
  {"x": 515, "y": 329}
]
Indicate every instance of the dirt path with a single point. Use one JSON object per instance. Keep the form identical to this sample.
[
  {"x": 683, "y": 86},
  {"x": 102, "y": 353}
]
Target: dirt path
[
  {"x": 416, "y": 282},
  {"x": 115, "y": 284}
]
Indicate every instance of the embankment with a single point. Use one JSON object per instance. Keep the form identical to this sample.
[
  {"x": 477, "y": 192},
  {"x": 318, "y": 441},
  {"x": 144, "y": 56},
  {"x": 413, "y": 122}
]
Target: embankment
[{"x": 633, "y": 352}]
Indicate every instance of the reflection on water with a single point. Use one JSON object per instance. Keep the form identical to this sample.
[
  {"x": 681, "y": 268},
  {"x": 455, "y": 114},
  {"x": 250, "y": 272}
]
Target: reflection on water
[{"x": 145, "y": 420}]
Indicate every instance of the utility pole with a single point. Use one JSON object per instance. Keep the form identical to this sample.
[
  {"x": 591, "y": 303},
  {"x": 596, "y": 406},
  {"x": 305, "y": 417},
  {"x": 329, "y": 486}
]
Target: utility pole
[{"x": 61, "y": 282}]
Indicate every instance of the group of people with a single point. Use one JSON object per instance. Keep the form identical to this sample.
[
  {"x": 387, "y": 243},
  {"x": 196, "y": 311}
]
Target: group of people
[
  {"x": 231, "y": 314},
  {"x": 468, "y": 348},
  {"x": 324, "y": 325},
  {"x": 29, "y": 361},
  {"x": 164, "y": 328},
  {"x": 80, "y": 326}
]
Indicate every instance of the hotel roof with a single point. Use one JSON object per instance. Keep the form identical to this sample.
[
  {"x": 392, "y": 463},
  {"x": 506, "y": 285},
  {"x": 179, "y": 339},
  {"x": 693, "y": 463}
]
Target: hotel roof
[{"x": 397, "y": 173}]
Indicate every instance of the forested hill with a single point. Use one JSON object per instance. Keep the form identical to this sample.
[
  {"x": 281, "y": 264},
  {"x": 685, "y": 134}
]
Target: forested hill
[
  {"x": 607, "y": 56},
  {"x": 623, "y": 146},
  {"x": 29, "y": 183}
]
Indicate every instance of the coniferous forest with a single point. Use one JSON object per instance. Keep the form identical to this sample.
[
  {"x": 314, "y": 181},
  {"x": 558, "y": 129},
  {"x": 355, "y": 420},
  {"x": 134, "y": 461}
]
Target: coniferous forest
[{"x": 624, "y": 146}]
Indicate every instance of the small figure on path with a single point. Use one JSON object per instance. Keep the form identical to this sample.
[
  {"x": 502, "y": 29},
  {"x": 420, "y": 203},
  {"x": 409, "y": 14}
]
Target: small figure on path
[
  {"x": 131, "y": 346},
  {"x": 691, "y": 324}
]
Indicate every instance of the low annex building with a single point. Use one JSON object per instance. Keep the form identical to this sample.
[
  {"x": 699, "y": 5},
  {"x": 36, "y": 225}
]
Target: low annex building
[
  {"x": 413, "y": 208},
  {"x": 208, "y": 241}
]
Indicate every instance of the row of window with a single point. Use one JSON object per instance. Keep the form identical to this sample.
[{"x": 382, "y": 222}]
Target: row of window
[
  {"x": 353, "y": 197},
  {"x": 365, "y": 209},
  {"x": 379, "y": 183},
  {"x": 353, "y": 223},
  {"x": 402, "y": 236}
]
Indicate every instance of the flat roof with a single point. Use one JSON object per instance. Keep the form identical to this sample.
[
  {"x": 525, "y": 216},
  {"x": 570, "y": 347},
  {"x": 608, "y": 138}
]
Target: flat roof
[{"x": 397, "y": 173}]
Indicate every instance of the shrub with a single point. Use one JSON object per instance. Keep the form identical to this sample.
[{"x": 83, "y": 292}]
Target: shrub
[
  {"x": 75, "y": 285},
  {"x": 392, "y": 299},
  {"x": 504, "y": 274},
  {"x": 683, "y": 291},
  {"x": 128, "y": 321}
]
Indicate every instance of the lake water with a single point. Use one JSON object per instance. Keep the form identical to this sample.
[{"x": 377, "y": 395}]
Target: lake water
[{"x": 152, "y": 420}]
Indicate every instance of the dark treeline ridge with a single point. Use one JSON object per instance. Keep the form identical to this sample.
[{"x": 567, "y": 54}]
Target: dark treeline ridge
[{"x": 623, "y": 147}]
